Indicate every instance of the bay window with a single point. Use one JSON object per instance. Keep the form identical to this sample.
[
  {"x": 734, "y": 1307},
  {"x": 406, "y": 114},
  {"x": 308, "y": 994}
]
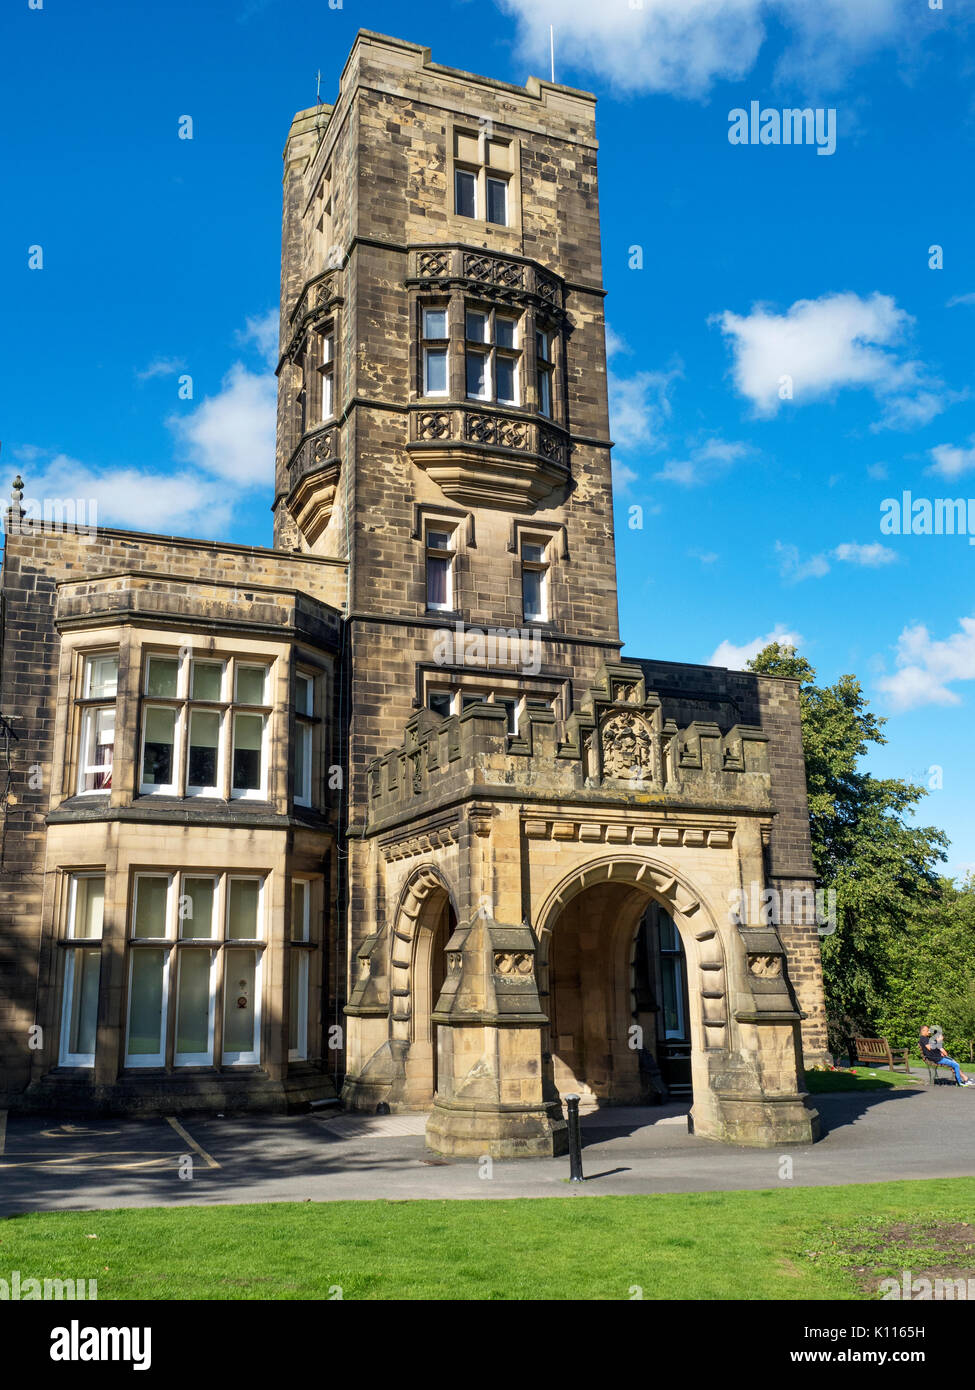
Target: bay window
[
  {"x": 304, "y": 763},
  {"x": 82, "y": 969},
  {"x": 543, "y": 354},
  {"x": 492, "y": 356},
  {"x": 196, "y": 938},
  {"x": 204, "y": 727},
  {"x": 435, "y": 345},
  {"x": 300, "y": 969},
  {"x": 99, "y": 686}
]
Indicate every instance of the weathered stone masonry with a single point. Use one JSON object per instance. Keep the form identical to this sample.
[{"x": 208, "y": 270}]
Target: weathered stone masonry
[{"x": 519, "y": 882}]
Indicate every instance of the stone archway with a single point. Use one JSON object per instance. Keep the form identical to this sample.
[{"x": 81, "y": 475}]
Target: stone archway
[
  {"x": 424, "y": 922},
  {"x": 586, "y": 932}
]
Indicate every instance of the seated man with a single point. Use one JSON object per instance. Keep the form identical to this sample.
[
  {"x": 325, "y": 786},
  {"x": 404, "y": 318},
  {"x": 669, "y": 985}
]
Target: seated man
[{"x": 938, "y": 1057}]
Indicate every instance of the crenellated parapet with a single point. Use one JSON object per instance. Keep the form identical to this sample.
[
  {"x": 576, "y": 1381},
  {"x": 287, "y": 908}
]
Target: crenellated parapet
[{"x": 620, "y": 746}]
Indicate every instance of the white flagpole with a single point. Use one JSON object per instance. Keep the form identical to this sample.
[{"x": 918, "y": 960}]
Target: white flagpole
[{"x": 551, "y": 35}]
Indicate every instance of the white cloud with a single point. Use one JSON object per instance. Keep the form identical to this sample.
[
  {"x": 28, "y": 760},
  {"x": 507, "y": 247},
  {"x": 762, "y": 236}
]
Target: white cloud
[
  {"x": 231, "y": 434},
  {"x": 262, "y": 330},
  {"x": 727, "y": 654},
  {"x": 228, "y": 438},
  {"x": 926, "y": 667},
  {"x": 950, "y": 461},
  {"x": 615, "y": 344},
  {"x": 877, "y": 470},
  {"x": 967, "y": 299},
  {"x": 622, "y": 476},
  {"x": 181, "y": 503},
  {"x": 794, "y": 569},
  {"x": 872, "y": 556},
  {"x": 684, "y": 46},
  {"x": 703, "y": 463},
  {"x": 161, "y": 366},
  {"x": 639, "y": 406},
  {"x": 821, "y": 346}
]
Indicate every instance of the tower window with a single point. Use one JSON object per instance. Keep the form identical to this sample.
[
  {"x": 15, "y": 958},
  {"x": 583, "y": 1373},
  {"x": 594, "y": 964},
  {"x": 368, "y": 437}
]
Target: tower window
[
  {"x": 440, "y": 569},
  {"x": 534, "y": 580},
  {"x": 543, "y": 353},
  {"x": 492, "y": 356},
  {"x": 435, "y": 344},
  {"x": 465, "y": 192},
  {"x": 326, "y": 371},
  {"x": 482, "y": 172},
  {"x": 497, "y": 201}
]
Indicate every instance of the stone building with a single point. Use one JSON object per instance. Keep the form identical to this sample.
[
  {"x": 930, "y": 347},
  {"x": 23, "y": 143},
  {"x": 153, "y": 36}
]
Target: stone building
[{"x": 381, "y": 810}]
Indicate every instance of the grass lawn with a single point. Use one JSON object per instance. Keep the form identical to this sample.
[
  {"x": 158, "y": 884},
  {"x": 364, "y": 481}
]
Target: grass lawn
[
  {"x": 792, "y": 1243},
  {"x": 820, "y": 1083}
]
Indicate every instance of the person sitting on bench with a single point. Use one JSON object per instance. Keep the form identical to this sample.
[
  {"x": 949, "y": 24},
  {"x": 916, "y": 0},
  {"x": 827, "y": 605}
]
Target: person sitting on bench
[{"x": 936, "y": 1056}]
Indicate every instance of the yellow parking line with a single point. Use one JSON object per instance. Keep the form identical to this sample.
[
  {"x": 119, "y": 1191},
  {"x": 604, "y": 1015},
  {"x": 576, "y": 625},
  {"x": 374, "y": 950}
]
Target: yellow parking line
[
  {"x": 210, "y": 1162},
  {"x": 112, "y": 1167}
]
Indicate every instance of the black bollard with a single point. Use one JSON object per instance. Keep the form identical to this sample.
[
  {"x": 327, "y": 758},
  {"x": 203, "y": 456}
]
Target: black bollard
[{"x": 575, "y": 1140}]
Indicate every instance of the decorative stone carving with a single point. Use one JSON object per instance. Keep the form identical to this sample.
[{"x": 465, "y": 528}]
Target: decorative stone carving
[
  {"x": 765, "y": 967},
  {"x": 551, "y": 444},
  {"x": 493, "y": 270},
  {"x": 495, "y": 429},
  {"x": 431, "y": 263},
  {"x": 627, "y": 748},
  {"x": 433, "y": 424},
  {"x": 515, "y": 963}
]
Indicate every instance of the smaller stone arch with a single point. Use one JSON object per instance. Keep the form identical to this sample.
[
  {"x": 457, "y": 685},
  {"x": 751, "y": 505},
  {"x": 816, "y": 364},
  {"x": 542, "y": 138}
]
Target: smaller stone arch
[{"x": 416, "y": 899}]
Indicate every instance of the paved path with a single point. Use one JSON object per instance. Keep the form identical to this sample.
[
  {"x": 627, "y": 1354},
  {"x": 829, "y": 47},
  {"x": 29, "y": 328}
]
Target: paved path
[{"x": 325, "y": 1156}]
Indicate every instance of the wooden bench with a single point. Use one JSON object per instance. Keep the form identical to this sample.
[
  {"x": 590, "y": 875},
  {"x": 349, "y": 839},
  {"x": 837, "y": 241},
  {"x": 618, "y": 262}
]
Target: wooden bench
[{"x": 874, "y": 1051}]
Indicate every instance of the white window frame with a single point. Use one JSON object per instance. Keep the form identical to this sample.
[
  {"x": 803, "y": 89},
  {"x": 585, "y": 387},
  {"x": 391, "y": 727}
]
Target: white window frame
[
  {"x": 305, "y": 736},
  {"x": 90, "y": 943},
  {"x": 197, "y": 1059},
  {"x": 149, "y": 1059},
  {"x": 253, "y": 1057},
  {"x": 326, "y": 373},
  {"x": 88, "y": 718},
  {"x": 449, "y": 553},
  {"x": 249, "y": 793},
  {"x": 542, "y": 568}
]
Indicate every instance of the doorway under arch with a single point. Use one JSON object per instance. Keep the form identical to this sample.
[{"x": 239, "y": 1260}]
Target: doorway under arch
[{"x": 621, "y": 972}]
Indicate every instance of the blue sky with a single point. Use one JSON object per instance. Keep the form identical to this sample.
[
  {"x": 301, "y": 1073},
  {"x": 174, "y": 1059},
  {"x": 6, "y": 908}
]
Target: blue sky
[{"x": 761, "y": 515}]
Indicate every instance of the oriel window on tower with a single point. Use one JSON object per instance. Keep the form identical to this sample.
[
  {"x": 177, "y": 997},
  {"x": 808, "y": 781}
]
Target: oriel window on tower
[
  {"x": 493, "y": 356},
  {"x": 435, "y": 347}
]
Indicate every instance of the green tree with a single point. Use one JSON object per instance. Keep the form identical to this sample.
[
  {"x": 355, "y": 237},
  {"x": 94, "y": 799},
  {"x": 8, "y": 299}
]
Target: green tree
[{"x": 882, "y": 865}]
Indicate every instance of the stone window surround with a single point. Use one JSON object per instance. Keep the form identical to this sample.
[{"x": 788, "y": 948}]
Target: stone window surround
[
  {"x": 133, "y": 644},
  {"x": 485, "y": 130},
  {"x": 272, "y": 969},
  {"x": 460, "y": 524}
]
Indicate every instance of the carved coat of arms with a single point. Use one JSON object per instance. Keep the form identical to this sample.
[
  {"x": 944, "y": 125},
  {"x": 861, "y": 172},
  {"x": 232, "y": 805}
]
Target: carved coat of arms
[{"x": 627, "y": 747}]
